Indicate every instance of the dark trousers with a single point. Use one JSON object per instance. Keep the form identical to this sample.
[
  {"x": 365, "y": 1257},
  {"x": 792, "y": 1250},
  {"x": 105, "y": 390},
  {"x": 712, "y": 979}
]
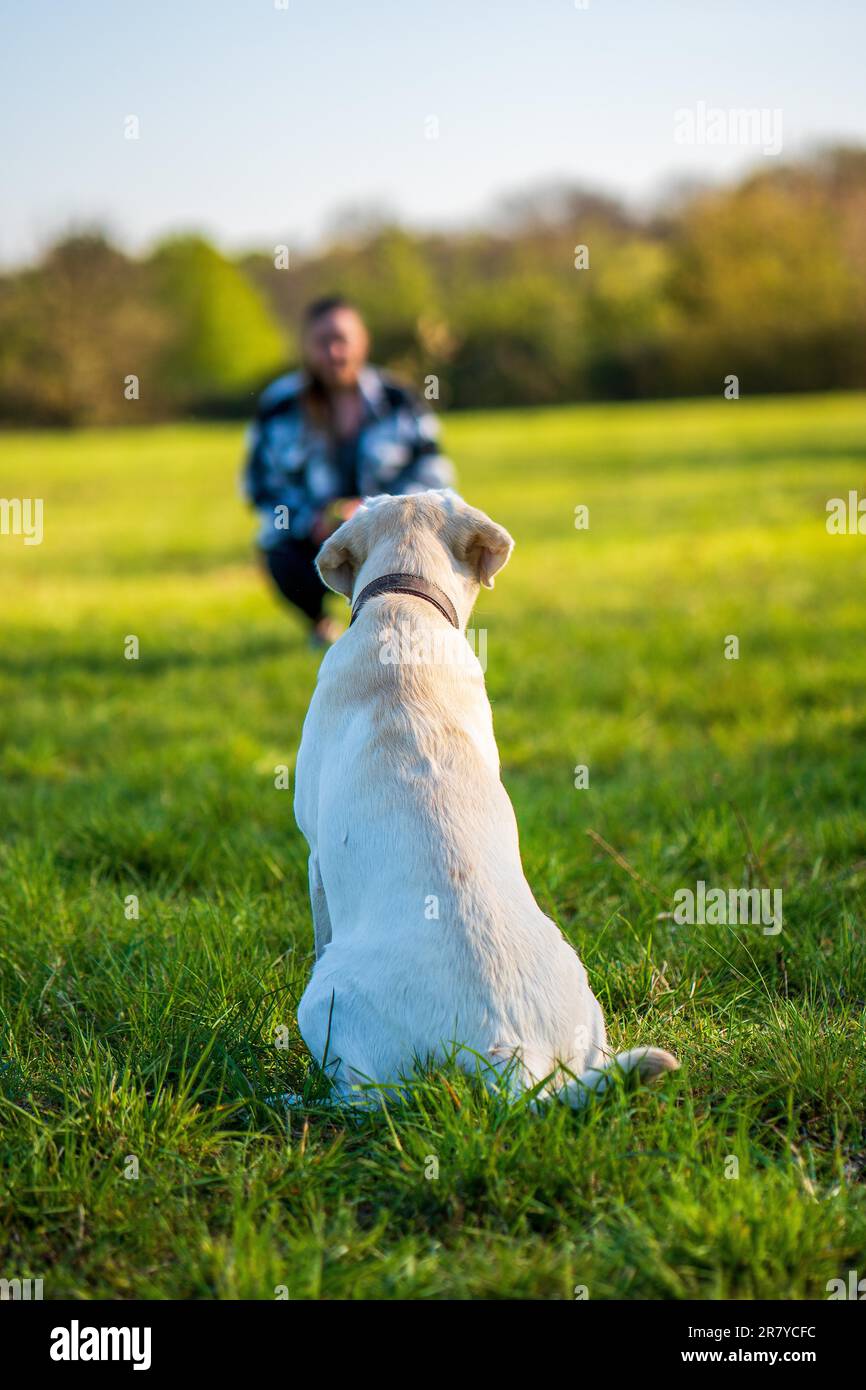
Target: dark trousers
[{"x": 292, "y": 570}]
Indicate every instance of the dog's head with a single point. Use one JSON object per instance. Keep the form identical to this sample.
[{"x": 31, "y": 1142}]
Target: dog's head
[{"x": 434, "y": 534}]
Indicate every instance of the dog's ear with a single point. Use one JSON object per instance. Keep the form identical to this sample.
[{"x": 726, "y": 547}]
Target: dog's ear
[
  {"x": 337, "y": 563},
  {"x": 481, "y": 543}
]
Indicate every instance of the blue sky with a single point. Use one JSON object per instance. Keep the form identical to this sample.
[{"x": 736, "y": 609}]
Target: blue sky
[{"x": 256, "y": 123}]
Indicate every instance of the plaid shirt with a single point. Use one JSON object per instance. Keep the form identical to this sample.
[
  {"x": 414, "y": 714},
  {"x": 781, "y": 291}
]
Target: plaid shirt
[{"x": 291, "y": 471}]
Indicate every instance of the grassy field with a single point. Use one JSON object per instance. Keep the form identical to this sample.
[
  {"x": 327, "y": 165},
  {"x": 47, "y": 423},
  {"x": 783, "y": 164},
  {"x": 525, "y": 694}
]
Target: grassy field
[{"x": 149, "y": 1045}]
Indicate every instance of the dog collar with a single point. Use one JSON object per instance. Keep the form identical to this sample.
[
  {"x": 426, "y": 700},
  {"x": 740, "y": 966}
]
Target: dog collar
[{"x": 407, "y": 584}]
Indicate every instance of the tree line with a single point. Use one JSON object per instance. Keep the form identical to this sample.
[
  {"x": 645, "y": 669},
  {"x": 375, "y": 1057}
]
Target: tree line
[{"x": 566, "y": 295}]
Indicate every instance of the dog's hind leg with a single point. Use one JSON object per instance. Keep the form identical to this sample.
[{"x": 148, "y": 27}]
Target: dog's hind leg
[
  {"x": 518, "y": 1067},
  {"x": 337, "y": 1025}
]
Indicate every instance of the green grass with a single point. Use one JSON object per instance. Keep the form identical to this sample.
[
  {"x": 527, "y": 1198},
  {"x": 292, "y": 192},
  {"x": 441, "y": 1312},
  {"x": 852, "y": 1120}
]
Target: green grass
[{"x": 157, "y": 1038}]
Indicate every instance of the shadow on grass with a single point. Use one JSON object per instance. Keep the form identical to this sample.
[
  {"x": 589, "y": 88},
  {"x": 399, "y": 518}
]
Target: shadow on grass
[{"x": 46, "y": 659}]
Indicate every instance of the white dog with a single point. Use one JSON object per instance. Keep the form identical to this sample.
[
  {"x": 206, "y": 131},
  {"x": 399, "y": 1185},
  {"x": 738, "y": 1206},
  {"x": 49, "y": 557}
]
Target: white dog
[{"x": 428, "y": 939}]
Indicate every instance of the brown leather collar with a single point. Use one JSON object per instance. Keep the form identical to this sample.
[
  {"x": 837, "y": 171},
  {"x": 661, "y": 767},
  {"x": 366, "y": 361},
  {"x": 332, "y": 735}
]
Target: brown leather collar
[{"x": 407, "y": 584}]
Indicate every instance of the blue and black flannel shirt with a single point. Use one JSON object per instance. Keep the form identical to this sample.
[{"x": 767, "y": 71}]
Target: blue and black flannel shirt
[{"x": 292, "y": 471}]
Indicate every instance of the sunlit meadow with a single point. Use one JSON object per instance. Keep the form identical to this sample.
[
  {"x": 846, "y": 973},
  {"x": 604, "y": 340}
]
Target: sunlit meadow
[{"x": 140, "y": 1157}]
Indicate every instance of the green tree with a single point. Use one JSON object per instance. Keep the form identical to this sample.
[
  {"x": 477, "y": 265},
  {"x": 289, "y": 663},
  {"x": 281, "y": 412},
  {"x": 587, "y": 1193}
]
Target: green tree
[
  {"x": 224, "y": 343},
  {"x": 72, "y": 330}
]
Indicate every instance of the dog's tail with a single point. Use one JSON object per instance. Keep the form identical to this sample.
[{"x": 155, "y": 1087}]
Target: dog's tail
[{"x": 638, "y": 1064}]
